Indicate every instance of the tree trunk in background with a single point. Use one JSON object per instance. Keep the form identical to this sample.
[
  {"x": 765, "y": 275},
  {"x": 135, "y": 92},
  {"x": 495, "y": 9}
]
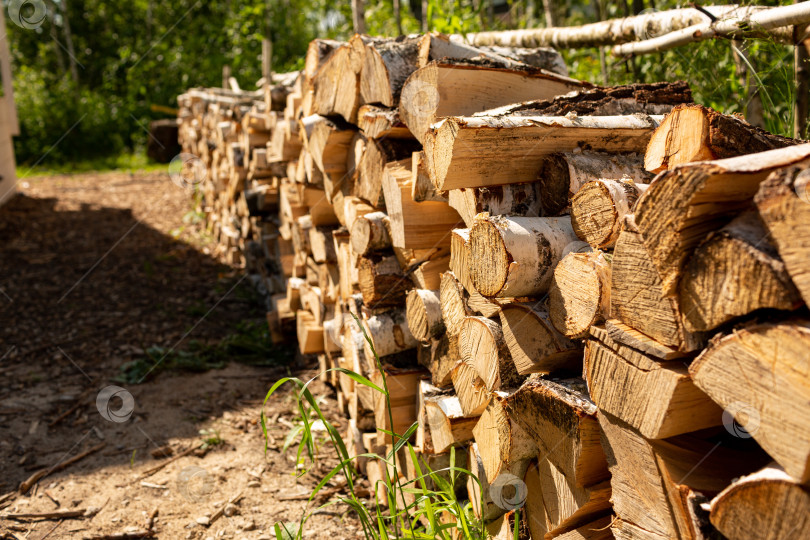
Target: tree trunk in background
[
  {"x": 60, "y": 59},
  {"x": 802, "y": 79},
  {"x": 425, "y": 19},
  {"x": 551, "y": 16},
  {"x": 74, "y": 71},
  {"x": 398, "y": 16},
  {"x": 359, "y": 16},
  {"x": 753, "y": 103}
]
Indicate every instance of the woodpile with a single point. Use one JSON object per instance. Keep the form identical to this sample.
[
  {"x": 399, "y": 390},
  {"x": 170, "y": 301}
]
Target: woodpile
[{"x": 597, "y": 294}]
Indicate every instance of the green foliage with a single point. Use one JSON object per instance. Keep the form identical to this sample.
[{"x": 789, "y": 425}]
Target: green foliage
[{"x": 434, "y": 492}]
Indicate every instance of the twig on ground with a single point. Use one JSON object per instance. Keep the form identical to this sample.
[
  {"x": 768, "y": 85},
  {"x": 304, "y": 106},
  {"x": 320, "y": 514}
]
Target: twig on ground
[{"x": 39, "y": 475}]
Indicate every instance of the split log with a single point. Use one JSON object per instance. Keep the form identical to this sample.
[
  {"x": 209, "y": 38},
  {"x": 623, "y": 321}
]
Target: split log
[
  {"x": 460, "y": 257},
  {"x": 657, "y": 398},
  {"x": 370, "y": 232},
  {"x": 534, "y": 344},
  {"x": 482, "y": 346},
  {"x": 381, "y": 281},
  {"x": 563, "y": 175},
  {"x": 503, "y": 528},
  {"x": 453, "y": 303},
  {"x": 389, "y": 333},
  {"x": 414, "y": 225},
  {"x": 767, "y": 504},
  {"x": 354, "y": 208},
  {"x": 503, "y": 446},
  {"x": 621, "y": 333},
  {"x": 478, "y": 488},
  {"x": 442, "y": 89},
  {"x": 470, "y": 388},
  {"x": 310, "y": 334},
  {"x": 424, "y": 441},
  {"x": 684, "y": 204},
  {"x": 381, "y": 122},
  {"x": 554, "y": 505},
  {"x": 772, "y": 405},
  {"x": 596, "y": 530},
  {"x": 599, "y": 207},
  {"x": 516, "y": 256},
  {"x": 637, "y": 296},
  {"x": 322, "y": 244},
  {"x": 522, "y": 200},
  {"x": 580, "y": 293},
  {"x": 490, "y": 150},
  {"x": 436, "y": 47},
  {"x": 422, "y": 189},
  {"x": 327, "y": 141},
  {"x": 697, "y": 133},
  {"x": 447, "y": 423},
  {"x": 347, "y": 269},
  {"x": 370, "y": 169},
  {"x": 317, "y": 53},
  {"x": 735, "y": 271},
  {"x": 440, "y": 357},
  {"x": 320, "y": 211},
  {"x": 386, "y": 66},
  {"x": 424, "y": 311},
  {"x": 783, "y": 202},
  {"x": 426, "y": 267},
  {"x": 561, "y": 419}
]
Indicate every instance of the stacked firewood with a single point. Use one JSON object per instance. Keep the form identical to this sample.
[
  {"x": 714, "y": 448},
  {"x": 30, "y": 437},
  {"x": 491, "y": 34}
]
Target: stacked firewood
[{"x": 596, "y": 296}]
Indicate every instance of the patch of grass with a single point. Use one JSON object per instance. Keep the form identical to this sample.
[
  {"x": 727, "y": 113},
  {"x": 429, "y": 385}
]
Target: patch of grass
[
  {"x": 136, "y": 161},
  {"x": 211, "y": 438},
  {"x": 249, "y": 344},
  {"x": 435, "y": 512}
]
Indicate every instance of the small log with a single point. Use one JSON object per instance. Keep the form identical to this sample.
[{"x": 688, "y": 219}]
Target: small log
[
  {"x": 460, "y": 257},
  {"x": 561, "y": 419},
  {"x": 322, "y": 245},
  {"x": 504, "y": 447},
  {"x": 381, "y": 122},
  {"x": 735, "y": 271},
  {"x": 697, "y": 133},
  {"x": 414, "y": 225},
  {"x": 580, "y": 293},
  {"x": 355, "y": 208},
  {"x": 477, "y": 151},
  {"x": 515, "y": 256},
  {"x": 381, "y": 281},
  {"x": 657, "y": 398},
  {"x": 783, "y": 202},
  {"x": 370, "y": 233},
  {"x": 447, "y": 423},
  {"x": 386, "y": 66},
  {"x": 327, "y": 140},
  {"x": 596, "y": 530},
  {"x": 554, "y": 506},
  {"x": 389, "y": 333},
  {"x": 563, "y": 175},
  {"x": 310, "y": 333},
  {"x": 482, "y": 346},
  {"x": 771, "y": 406},
  {"x": 472, "y": 393},
  {"x": 522, "y": 200},
  {"x": 599, "y": 207},
  {"x": 378, "y": 153},
  {"x": 684, "y": 204},
  {"x": 424, "y": 311},
  {"x": 756, "y": 506},
  {"x": 478, "y": 488},
  {"x": 442, "y": 89},
  {"x": 533, "y": 342}
]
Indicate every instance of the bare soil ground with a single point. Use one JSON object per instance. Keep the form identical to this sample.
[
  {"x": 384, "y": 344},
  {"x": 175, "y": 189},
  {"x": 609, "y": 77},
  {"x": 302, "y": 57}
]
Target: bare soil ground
[{"x": 97, "y": 272}]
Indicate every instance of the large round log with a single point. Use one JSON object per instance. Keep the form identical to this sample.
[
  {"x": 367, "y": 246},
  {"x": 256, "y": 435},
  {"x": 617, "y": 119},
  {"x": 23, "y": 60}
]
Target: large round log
[{"x": 598, "y": 208}]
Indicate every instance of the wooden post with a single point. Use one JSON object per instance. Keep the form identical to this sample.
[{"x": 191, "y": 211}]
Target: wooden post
[
  {"x": 398, "y": 16},
  {"x": 267, "y": 60}
]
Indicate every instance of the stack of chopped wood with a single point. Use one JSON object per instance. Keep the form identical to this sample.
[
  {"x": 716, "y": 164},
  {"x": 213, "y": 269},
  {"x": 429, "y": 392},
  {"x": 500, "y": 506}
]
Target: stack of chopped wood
[{"x": 597, "y": 296}]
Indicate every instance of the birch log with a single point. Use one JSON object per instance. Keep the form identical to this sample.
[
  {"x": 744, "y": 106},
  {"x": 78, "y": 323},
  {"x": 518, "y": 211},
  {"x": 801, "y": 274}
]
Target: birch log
[
  {"x": 370, "y": 233},
  {"x": 386, "y": 66},
  {"x": 504, "y": 447},
  {"x": 599, "y": 207},
  {"x": 389, "y": 334},
  {"x": 522, "y": 200},
  {"x": 483, "y": 347},
  {"x": 424, "y": 312},
  {"x": 447, "y": 424},
  {"x": 514, "y": 256},
  {"x": 472, "y": 393},
  {"x": 580, "y": 293}
]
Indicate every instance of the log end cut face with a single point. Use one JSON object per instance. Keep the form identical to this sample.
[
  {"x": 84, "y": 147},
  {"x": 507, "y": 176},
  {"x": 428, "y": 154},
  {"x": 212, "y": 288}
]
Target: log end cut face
[
  {"x": 593, "y": 214},
  {"x": 490, "y": 259}
]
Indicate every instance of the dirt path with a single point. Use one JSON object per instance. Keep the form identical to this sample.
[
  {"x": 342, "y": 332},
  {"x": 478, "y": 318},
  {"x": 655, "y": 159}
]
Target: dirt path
[{"x": 106, "y": 280}]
